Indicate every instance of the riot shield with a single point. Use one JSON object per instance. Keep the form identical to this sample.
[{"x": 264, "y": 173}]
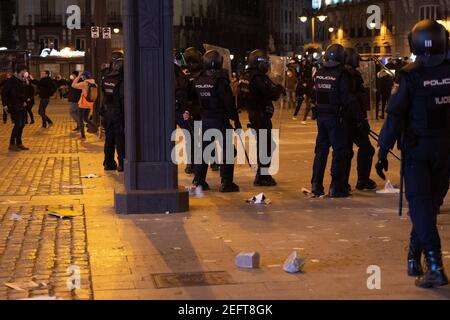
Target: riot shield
[
  {"x": 225, "y": 53},
  {"x": 368, "y": 72}
]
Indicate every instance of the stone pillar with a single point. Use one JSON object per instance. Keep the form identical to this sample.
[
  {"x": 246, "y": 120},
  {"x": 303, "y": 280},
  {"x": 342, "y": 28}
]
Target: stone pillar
[{"x": 151, "y": 179}]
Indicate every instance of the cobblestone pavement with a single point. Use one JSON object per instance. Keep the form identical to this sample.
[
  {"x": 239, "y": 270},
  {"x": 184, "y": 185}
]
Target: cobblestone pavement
[{"x": 162, "y": 256}]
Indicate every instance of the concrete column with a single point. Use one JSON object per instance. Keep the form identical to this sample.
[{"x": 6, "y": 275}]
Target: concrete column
[{"x": 151, "y": 179}]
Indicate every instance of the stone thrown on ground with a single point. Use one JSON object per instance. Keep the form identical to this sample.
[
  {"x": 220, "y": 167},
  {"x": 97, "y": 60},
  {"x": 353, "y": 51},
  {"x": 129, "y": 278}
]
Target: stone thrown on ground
[
  {"x": 248, "y": 260},
  {"x": 293, "y": 263}
]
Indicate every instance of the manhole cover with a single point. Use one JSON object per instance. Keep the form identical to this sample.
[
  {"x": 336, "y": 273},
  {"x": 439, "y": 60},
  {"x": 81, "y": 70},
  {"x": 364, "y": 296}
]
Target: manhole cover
[{"x": 195, "y": 279}]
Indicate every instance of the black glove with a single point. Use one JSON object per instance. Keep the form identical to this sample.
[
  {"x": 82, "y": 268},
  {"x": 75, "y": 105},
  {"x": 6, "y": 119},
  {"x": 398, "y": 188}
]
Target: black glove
[
  {"x": 270, "y": 110},
  {"x": 383, "y": 164}
]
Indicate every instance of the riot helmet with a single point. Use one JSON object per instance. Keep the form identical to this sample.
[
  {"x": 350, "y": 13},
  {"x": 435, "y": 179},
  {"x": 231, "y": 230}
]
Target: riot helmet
[
  {"x": 117, "y": 62},
  {"x": 334, "y": 55},
  {"x": 258, "y": 59},
  {"x": 193, "y": 58},
  {"x": 429, "y": 41},
  {"x": 212, "y": 60}
]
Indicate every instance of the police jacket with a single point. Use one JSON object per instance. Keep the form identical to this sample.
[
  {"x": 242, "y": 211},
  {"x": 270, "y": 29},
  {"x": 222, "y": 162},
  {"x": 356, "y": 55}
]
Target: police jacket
[
  {"x": 14, "y": 94},
  {"x": 215, "y": 95},
  {"x": 333, "y": 91},
  {"x": 113, "y": 92},
  {"x": 46, "y": 87},
  {"x": 419, "y": 105},
  {"x": 182, "y": 87},
  {"x": 258, "y": 91},
  {"x": 194, "y": 103},
  {"x": 357, "y": 112}
]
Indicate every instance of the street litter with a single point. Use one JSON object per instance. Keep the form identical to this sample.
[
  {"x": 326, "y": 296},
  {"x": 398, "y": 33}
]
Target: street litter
[
  {"x": 78, "y": 187},
  {"x": 196, "y": 191},
  {"x": 248, "y": 260},
  {"x": 40, "y": 298},
  {"x": 259, "y": 199},
  {"x": 64, "y": 213},
  {"x": 389, "y": 189},
  {"x": 24, "y": 286},
  {"x": 293, "y": 263},
  {"x": 90, "y": 176},
  {"x": 15, "y": 217}
]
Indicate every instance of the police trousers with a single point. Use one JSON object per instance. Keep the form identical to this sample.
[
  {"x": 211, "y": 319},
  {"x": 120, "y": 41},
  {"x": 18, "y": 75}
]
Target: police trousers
[
  {"x": 226, "y": 165},
  {"x": 114, "y": 122},
  {"x": 262, "y": 124},
  {"x": 331, "y": 133},
  {"x": 360, "y": 138},
  {"x": 427, "y": 183}
]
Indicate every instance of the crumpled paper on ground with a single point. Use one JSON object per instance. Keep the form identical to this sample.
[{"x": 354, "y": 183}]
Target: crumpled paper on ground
[
  {"x": 389, "y": 189},
  {"x": 259, "y": 199},
  {"x": 294, "y": 264}
]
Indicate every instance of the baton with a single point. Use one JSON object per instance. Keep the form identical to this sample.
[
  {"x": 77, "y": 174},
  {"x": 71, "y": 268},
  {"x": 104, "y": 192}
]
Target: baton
[
  {"x": 374, "y": 136},
  {"x": 245, "y": 150}
]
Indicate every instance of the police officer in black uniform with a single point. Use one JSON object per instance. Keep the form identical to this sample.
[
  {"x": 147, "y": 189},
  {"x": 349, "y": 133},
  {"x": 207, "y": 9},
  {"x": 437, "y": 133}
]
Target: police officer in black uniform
[
  {"x": 257, "y": 92},
  {"x": 217, "y": 108},
  {"x": 333, "y": 99},
  {"x": 419, "y": 113},
  {"x": 113, "y": 113},
  {"x": 359, "y": 124}
]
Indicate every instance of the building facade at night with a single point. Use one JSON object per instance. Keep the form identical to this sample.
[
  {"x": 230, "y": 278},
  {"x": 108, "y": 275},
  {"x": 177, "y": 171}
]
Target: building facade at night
[{"x": 349, "y": 22}]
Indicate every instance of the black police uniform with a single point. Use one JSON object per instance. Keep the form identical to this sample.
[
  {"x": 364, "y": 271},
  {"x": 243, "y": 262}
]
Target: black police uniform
[
  {"x": 359, "y": 132},
  {"x": 421, "y": 100},
  {"x": 217, "y": 107},
  {"x": 419, "y": 113},
  {"x": 259, "y": 93},
  {"x": 182, "y": 105},
  {"x": 333, "y": 97},
  {"x": 114, "y": 120}
]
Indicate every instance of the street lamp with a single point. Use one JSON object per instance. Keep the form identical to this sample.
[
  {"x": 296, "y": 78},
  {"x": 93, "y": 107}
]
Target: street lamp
[
  {"x": 313, "y": 14},
  {"x": 116, "y": 30}
]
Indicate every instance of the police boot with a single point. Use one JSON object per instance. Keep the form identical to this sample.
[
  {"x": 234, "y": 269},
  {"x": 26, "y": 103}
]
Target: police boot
[
  {"x": 339, "y": 192},
  {"x": 204, "y": 185},
  {"x": 366, "y": 185},
  {"x": 414, "y": 262},
  {"x": 229, "y": 187},
  {"x": 435, "y": 276},
  {"x": 318, "y": 190},
  {"x": 264, "y": 181}
]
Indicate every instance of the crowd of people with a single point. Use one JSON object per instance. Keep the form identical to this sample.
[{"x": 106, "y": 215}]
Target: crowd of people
[{"x": 19, "y": 89}]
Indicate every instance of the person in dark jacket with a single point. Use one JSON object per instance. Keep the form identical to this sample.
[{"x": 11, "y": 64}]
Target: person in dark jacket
[
  {"x": 47, "y": 88},
  {"x": 73, "y": 98},
  {"x": 14, "y": 100},
  {"x": 3, "y": 78},
  {"x": 29, "y": 116}
]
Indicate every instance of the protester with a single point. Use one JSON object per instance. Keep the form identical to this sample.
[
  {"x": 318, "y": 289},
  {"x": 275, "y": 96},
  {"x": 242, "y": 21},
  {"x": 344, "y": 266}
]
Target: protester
[
  {"x": 3, "y": 78},
  {"x": 74, "y": 97},
  {"x": 86, "y": 103},
  {"x": 47, "y": 89},
  {"x": 15, "y": 100},
  {"x": 29, "y": 116}
]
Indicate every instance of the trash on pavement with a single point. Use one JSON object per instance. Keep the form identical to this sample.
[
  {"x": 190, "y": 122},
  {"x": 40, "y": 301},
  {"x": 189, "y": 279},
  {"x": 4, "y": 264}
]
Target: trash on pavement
[
  {"x": 293, "y": 263},
  {"x": 196, "y": 192},
  {"x": 248, "y": 260},
  {"x": 259, "y": 199},
  {"x": 64, "y": 213},
  {"x": 15, "y": 217},
  {"x": 90, "y": 176},
  {"x": 24, "y": 286},
  {"x": 389, "y": 189}
]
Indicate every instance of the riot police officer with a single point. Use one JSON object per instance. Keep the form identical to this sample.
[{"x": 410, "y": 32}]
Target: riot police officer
[
  {"x": 359, "y": 124},
  {"x": 333, "y": 98},
  {"x": 217, "y": 108},
  {"x": 419, "y": 113},
  {"x": 257, "y": 92},
  {"x": 113, "y": 113}
]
